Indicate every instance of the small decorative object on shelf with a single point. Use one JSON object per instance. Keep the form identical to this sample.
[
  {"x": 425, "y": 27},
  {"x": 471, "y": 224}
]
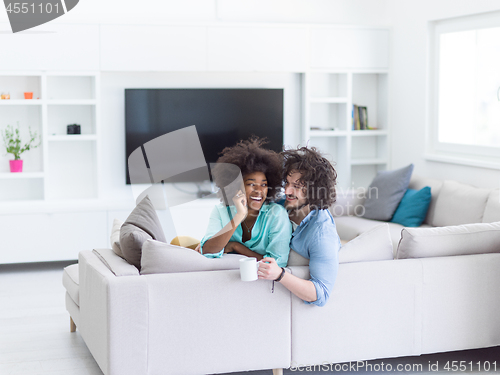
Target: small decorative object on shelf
[
  {"x": 12, "y": 141},
  {"x": 74, "y": 129},
  {"x": 322, "y": 129},
  {"x": 28, "y": 95},
  {"x": 5, "y": 95}
]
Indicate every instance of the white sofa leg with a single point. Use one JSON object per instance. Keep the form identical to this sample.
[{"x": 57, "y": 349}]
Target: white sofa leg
[
  {"x": 72, "y": 325},
  {"x": 277, "y": 371}
]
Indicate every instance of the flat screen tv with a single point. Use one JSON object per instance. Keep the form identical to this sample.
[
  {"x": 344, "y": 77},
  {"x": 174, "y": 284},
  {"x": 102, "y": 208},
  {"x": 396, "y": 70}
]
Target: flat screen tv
[{"x": 222, "y": 116}]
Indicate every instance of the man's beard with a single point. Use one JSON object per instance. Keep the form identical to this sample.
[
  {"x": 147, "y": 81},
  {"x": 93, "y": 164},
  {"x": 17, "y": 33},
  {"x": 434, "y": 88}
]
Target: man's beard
[{"x": 293, "y": 210}]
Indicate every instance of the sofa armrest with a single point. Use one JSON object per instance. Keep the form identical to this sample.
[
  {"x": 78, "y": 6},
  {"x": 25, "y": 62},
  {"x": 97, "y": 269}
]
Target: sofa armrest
[{"x": 113, "y": 317}]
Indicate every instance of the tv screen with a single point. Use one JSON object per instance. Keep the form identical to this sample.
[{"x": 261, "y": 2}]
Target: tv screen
[{"x": 222, "y": 116}]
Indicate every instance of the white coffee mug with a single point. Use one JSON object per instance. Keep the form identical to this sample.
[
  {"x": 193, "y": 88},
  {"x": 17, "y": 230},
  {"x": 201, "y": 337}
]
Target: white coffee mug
[{"x": 248, "y": 269}]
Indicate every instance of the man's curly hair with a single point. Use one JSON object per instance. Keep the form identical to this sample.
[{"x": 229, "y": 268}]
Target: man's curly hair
[
  {"x": 250, "y": 157},
  {"x": 318, "y": 175}
]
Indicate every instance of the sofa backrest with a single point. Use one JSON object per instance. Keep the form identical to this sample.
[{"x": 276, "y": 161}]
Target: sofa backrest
[
  {"x": 459, "y": 203},
  {"x": 417, "y": 182},
  {"x": 116, "y": 264}
]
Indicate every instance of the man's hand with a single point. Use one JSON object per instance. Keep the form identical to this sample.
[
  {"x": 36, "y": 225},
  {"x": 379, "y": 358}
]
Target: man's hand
[{"x": 268, "y": 269}]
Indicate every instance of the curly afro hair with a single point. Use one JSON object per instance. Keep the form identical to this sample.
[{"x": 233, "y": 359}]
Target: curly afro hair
[
  {"x": 318, "y": 175},
  {"x": 250, "y": 157}
]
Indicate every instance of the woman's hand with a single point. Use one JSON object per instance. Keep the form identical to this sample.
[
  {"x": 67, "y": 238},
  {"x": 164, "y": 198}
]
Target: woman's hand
[
  {"x": 240, "y": 202},
  {"x": 269, "y": 269}
]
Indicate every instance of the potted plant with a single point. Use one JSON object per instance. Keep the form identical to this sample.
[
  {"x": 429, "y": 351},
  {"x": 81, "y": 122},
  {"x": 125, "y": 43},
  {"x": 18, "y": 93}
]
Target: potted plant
[{"x": 12, "y": 141}]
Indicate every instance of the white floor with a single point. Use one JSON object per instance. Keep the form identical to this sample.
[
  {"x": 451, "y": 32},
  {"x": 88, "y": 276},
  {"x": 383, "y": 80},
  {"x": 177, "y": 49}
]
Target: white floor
[{"x": 35, "y": 337}]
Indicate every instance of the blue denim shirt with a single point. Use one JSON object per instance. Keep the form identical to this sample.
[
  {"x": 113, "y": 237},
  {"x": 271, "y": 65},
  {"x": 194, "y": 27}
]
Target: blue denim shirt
[{"x": 316, "y": 239}]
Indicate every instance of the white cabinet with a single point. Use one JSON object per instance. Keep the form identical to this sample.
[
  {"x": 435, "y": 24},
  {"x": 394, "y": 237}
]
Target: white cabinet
[
  {"x": 336, "y": 48},
  {"x": 51, "y": 236},
  {"x": 65, "y": 166},
  {"x": 264, "y": 48},
  {"x": 328, "y": 122},
  {"x": 153, "y": 48},
  {"x": 52, "y": 47}
]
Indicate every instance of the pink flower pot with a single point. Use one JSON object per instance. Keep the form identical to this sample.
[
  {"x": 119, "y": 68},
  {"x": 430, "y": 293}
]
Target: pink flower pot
[{"x": 16, "y": 165}]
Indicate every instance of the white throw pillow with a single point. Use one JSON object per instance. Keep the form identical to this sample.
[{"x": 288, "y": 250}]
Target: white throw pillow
[
  {"x": 115, "y": 237},
  {"x": 459, "y": 204},
  {"x": 480, "y": 238},
  {"x": 372, "y": 245},
  {"x": 160, "y": 257}
]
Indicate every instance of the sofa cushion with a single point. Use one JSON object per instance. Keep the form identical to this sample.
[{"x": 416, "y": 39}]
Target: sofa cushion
[
  {"x": 479, "y": 238},
  {"x": 417, "y": 183},
  {"x": 141, "y": 225},
  {"x": 115, "y": 237},
  {"x": 459, "y": 204},
  {"x": 71, "y": 281},
  {"x": 385, "y": 193},
  {"x": 374, "y": 244},
  {"x": 131, "y": 241},
  {"x": 412, "y": 209},
  {"x": 115, "y": 263},
  {"x": 295, "y": 259},
  {"x": 160, "y": 257},
  {"x": 349, "y": 227},
  {"x": 492, "y": 210}
]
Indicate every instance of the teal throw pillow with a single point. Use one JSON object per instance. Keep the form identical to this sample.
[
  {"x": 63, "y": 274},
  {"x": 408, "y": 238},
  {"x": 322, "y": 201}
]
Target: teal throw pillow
[{"x": 412, "y": 209}]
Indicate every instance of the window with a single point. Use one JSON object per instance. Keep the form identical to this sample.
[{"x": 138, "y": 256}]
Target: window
[{"x": 465, "y": 90}]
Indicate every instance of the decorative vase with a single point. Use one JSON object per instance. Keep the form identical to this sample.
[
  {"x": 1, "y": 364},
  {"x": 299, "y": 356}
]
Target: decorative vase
[{"x": 16, "y": 165}]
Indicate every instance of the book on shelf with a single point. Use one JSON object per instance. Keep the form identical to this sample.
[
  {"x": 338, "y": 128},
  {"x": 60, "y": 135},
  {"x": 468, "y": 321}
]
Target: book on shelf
[{"x": 360, "y": 118}]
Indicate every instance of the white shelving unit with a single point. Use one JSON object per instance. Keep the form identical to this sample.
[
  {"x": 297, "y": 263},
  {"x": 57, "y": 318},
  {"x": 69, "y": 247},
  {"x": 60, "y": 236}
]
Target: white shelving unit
[
  {"x": 327, "y": 117},
  {"x": 64, "y": 167}
]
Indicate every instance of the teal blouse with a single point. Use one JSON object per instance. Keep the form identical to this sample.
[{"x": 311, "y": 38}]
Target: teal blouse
[{"x": 271, "y": 232}]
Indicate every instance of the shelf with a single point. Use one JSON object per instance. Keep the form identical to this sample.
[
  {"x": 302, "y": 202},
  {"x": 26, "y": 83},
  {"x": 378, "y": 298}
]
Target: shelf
[
  {"x": 21, "y": 175},
  {"x": 329, "y": 97},
  {"x": 72, "y": 102},
  {"x": 327, "y": 133},
  {"x": 21, "y": 102},
  {"x": 328, "y": 100},
  {"x": 368, "y": 161},
  {"x": 72, "y": 137},
  {"x": 49, "y": 102},
  {"x": 364, "y": 133},
  {"x": 66, "y": 165}
]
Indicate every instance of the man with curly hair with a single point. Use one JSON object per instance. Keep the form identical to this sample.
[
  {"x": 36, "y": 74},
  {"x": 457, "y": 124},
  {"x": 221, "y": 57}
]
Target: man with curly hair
[{"x": 310, "y": 189}]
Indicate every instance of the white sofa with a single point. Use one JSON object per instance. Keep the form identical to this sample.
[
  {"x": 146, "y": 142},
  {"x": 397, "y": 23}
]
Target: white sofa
[
  {"x": 452, "y": 203},
  {"x": 211, "y": 322}
]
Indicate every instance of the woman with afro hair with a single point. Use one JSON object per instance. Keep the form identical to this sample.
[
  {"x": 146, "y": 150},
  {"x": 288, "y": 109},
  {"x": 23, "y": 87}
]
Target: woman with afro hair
[{"x": 250, "y": 223}]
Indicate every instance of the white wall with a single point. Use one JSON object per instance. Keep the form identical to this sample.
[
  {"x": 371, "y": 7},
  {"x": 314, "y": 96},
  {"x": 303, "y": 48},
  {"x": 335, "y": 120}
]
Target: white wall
[
  {"x": 357, "y": 12},
  {"x": 113, "y": 111},
  {"x": 408, "y": 86}
]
